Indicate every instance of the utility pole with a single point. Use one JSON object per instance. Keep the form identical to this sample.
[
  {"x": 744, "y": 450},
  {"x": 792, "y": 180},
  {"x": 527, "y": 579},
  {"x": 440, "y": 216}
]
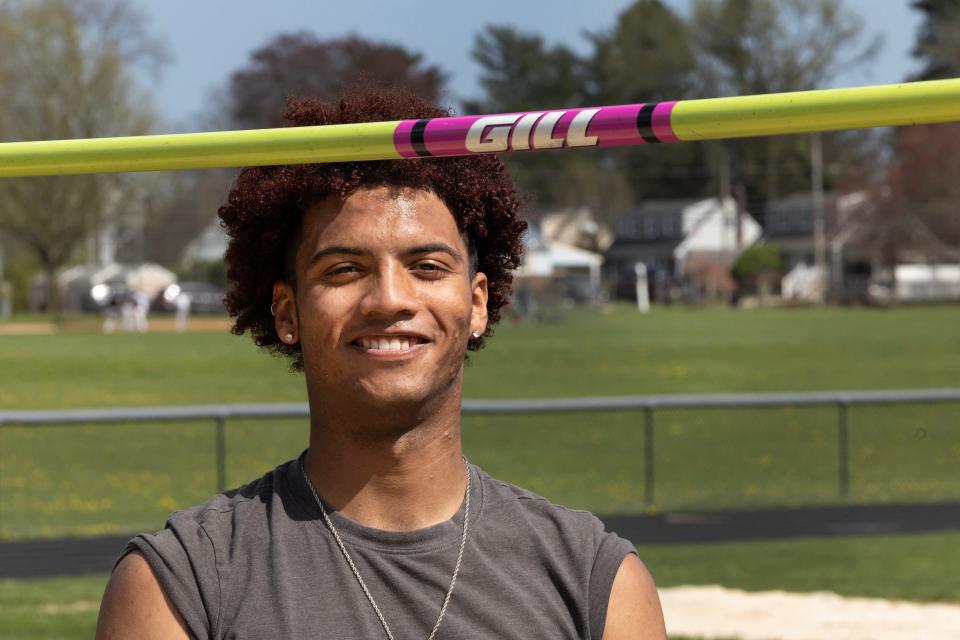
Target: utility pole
[
  {"x": 741, "y": 200},
  {"x": 727, "y": 195},
  {"x": 6, "y": 289},
  {"x": 819, "y": 224}
]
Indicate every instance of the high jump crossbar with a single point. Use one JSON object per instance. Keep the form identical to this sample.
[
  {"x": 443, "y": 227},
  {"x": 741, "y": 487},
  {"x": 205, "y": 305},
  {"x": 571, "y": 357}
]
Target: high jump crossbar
[{"x": 633, "y": 124}]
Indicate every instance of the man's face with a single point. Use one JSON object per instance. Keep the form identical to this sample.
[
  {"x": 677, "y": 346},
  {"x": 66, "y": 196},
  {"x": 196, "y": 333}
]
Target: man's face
[{"x": 384, "y": 296}]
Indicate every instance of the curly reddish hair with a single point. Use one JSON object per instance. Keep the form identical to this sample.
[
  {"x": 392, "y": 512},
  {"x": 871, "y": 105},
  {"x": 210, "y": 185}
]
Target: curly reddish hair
[{"x": 264, "y": 211}]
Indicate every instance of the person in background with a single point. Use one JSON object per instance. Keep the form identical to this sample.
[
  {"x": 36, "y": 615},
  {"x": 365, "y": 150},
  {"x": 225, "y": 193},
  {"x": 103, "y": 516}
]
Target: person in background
[
  {"x": 140, "y": 308},
  {"x": 181, "y": 306}
]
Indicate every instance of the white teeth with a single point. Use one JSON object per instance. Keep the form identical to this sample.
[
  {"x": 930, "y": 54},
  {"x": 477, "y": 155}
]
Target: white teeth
[{"x": 388, "y": 344}]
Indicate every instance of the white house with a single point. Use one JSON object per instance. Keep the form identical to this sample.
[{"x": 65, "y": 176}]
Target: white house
[{"x": 679, "y": 241}]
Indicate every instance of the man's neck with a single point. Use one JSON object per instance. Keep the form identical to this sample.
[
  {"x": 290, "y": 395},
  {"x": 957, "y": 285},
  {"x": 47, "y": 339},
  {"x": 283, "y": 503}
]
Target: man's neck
[{"x": 388, "y": 473}]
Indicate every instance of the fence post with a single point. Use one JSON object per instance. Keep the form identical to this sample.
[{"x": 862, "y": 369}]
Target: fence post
[
  {"x": 843, "y": 450},
  {"x": 221, "y": 454},
  {"x": 648, "y": 469}
]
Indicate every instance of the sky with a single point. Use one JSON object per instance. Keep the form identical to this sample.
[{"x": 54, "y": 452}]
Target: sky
[{"x": 209, "y": 39}]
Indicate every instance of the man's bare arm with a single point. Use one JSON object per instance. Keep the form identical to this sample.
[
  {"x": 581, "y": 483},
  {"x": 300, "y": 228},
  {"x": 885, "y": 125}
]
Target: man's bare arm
[
  {"x": 135, "y": 606},
  {"x": 633, "y": 612}
]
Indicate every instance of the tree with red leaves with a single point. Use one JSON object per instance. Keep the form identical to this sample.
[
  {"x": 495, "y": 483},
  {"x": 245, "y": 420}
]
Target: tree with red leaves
[{"x": 300, "y": 64}]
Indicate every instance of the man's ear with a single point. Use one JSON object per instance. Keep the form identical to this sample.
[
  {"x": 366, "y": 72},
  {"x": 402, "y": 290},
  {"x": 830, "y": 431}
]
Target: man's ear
[
  {"x": 285, "y": 312},
  {"x": 479, "y": 293}
]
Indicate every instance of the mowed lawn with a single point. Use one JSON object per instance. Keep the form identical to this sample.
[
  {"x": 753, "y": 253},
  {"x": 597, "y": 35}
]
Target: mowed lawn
[{"x": 88, "y": 480}]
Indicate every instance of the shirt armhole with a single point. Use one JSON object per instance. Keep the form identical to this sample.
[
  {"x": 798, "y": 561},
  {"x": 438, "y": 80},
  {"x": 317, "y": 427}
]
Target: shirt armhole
[
  {"x": 610, "y": 554},
  {"x": 185, "y": 567}
]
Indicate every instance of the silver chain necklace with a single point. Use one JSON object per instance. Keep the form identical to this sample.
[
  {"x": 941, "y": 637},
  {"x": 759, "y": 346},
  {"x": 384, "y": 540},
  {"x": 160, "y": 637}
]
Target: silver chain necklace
[{"x": 353, "y": 567}]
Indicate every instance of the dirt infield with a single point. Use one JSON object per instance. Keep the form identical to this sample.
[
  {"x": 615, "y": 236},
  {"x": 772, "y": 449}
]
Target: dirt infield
[
  {"x": 27, "y": 329},
  {"x": 713, "y": 612}
]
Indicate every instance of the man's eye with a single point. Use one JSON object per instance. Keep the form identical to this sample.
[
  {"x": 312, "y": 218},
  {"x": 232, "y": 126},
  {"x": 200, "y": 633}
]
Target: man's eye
[
  {"x": 339, "y": 270},
  {"x": 430, "y": 267}
]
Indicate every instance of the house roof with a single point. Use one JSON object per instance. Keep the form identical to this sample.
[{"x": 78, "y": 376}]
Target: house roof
[{"x": 793, "y": 215}]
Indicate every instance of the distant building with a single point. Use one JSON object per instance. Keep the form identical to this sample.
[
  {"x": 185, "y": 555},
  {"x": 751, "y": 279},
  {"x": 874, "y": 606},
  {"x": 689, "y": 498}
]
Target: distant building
[
  {"x": 554, "y": 273},
  {"x": 688, "y": 247},
  {"x": 575, "y": 227},
  {"x": 872, "y": 255}
]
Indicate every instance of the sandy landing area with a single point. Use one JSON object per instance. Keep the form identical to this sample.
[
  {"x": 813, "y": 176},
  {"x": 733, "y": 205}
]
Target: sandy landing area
[{"x": 715, "y": 613}]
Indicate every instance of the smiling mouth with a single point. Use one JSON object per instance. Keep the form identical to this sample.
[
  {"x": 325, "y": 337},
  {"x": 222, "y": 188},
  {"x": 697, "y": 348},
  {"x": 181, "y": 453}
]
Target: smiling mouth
[{"x": 388, "y": 344}]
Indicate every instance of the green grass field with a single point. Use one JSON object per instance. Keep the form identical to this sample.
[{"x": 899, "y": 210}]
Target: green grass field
[{"x": 89, "y": 480}]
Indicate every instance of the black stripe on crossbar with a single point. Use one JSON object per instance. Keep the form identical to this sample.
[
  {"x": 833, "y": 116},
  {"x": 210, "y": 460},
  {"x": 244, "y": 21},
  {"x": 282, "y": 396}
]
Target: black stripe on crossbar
[
  {"x": 417, "y": 138},
  {"x": 645, "y": 123}
]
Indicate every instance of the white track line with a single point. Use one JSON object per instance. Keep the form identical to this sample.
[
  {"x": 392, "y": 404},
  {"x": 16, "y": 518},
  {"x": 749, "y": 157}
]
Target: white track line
[{"x": 713, "y": 612}]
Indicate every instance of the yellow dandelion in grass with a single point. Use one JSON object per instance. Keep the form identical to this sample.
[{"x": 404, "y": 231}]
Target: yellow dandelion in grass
[
  {"x": 167, "y": 503},
  {"x": 101, "y": 528},
  {"x": 866, "y": 452},
  {"x": 17, "y": 482},
  {"x": 673, "y": 371},
  {"x": 77, "y": 503}
]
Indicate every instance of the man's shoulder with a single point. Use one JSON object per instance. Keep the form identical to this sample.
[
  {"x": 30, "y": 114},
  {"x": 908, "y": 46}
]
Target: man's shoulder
[
  {"x": 514, "y": 505},
  {"x": 256, "y": 490},
  {"x": 218, "y": 520},
  {"x": 196, "y": 556},
  {"x": 509, "y": 493}
]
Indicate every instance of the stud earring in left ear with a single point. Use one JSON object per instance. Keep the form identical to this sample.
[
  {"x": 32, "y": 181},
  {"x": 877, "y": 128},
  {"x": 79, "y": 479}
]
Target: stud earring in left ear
[
  {"x": 475, "y": 334},
  {"x": 288, "y": 337}
]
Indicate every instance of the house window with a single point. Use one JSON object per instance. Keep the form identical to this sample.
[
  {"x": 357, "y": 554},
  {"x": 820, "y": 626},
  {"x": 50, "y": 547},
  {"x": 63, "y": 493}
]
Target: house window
[
  {"x": 649, "y": 227},
  {"x": 666, "y": 225}
]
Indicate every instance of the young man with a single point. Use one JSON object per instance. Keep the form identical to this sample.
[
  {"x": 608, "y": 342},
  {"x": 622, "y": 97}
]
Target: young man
[{"x": 375, "y": 278}]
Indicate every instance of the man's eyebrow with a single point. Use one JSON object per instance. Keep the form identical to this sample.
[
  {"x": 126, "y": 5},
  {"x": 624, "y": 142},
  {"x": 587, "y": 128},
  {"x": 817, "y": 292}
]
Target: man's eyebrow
[
  {"x": 319, "y": 254},
  {"x": 432, "y": 247}
]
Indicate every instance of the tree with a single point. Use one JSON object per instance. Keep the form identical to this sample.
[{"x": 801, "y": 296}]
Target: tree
[
  {"x": 938, "y": 42},
  {"x": 520, "y": 72},
  {"x": 641, "y": 59},
  {"x": 647, "y": 56},
  {"x": 746, "y": 47},
  {"x": 924, "y": 180},
  {"x": 67, "y": 72},
  {"x": 294, "y": 64}
]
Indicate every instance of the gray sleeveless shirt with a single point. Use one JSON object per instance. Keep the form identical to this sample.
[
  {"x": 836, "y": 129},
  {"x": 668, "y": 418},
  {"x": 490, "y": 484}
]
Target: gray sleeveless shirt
[{"x": 259, "y": 562}]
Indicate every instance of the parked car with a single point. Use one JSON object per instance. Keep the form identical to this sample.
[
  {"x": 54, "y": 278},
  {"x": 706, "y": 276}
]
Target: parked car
[{"x": 204, "y": 297}]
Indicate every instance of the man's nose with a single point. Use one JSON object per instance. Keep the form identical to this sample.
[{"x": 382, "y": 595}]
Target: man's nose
[{"x": 391, "y": 291}]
